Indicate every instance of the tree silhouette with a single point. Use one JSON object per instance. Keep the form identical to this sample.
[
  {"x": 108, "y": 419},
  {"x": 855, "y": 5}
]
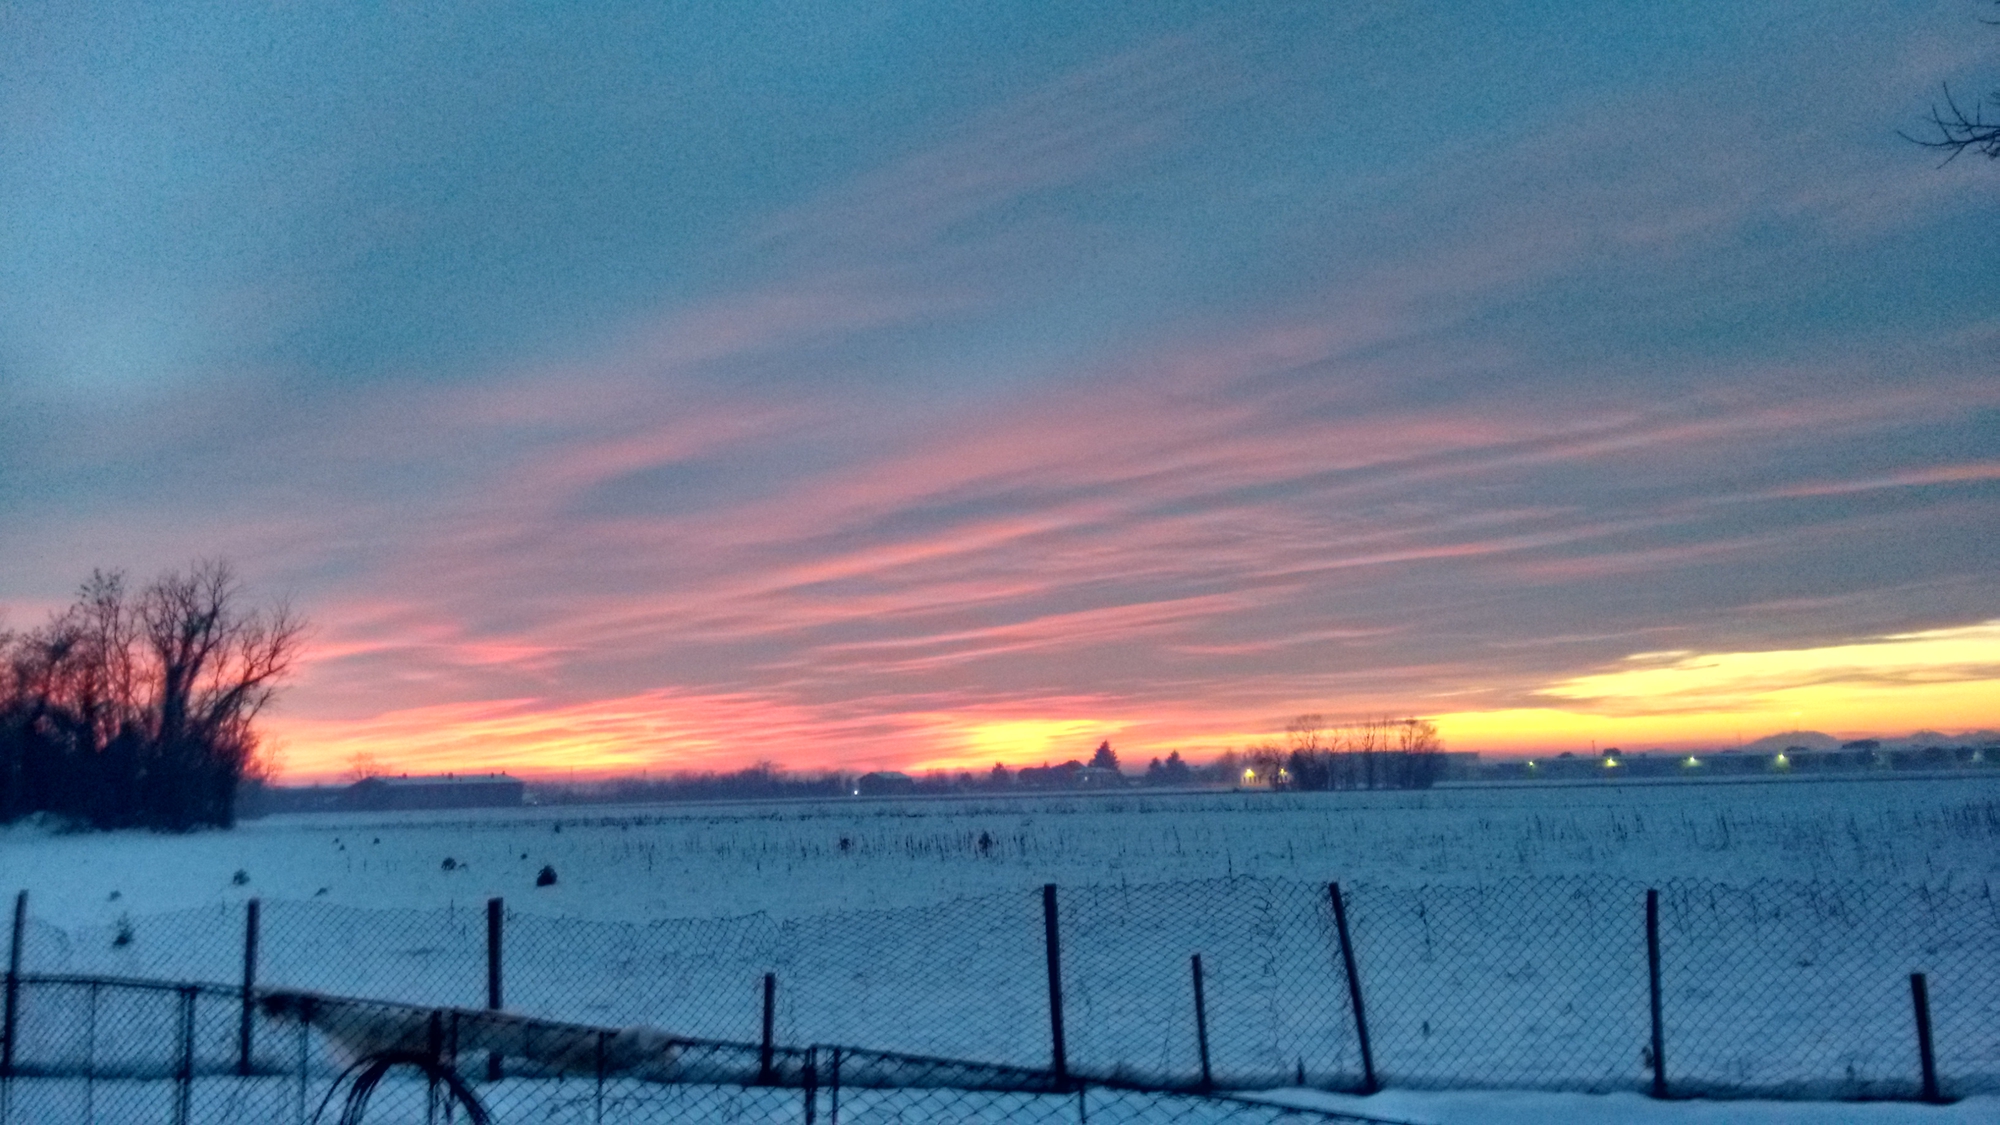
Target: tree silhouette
[
  {"x": 1379, "y": 753},
  {"x": 1954, "y": 131},
  {"x": 1104, "y": 759},
  {"x": 1307, "y": 732},
  {"x": 1958, "y": 131},
  {"x": 139, "y": 710}
]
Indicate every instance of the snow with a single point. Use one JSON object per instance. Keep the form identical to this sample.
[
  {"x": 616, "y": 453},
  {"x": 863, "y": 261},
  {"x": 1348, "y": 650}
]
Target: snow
[
  {"x": 1499, "y": 928},
  {"x": 787, "y": 859}
]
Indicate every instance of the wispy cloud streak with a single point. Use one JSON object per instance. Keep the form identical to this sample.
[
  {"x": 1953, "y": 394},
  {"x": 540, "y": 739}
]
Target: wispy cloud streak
[{"x": 1062, "y": 421}]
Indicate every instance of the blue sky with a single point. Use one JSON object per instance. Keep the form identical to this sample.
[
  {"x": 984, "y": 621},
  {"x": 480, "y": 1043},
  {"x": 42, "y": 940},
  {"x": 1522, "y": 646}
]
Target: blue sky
[{"x": 919, "y": 383}]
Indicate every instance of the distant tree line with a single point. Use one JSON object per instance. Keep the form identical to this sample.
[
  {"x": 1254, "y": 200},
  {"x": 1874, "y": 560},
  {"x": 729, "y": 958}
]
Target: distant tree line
[
  {"x": 1103, "y": 769},
  {"x": 762, "y": 781},
  {"x": 1378, "y": 754},
  {"x": 136, "y": 709},
  {"x": 1374, "y": 754},
  {"x": 766, "y": 780}
]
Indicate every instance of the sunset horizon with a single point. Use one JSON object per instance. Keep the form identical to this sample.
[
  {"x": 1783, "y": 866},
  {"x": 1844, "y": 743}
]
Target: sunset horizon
[
  {"x": 632, "y": 390},
  {"x": 1869, "y": 695},
  {"x": 854, "y": 561}
]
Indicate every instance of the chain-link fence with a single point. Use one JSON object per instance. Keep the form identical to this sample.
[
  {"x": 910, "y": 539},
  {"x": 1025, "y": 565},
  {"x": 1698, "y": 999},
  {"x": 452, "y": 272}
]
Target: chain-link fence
[
  {"x": 87, "y": 1050},
  {"x": 1771, "y": 989}
]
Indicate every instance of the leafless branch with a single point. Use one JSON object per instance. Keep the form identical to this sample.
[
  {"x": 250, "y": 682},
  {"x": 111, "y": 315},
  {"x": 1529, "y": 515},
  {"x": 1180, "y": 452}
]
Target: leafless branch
[{"x": 1957, "y": 131}]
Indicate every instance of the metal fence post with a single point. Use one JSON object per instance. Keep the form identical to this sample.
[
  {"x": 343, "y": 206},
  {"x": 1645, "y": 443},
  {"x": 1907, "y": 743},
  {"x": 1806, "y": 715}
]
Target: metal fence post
[
  {"x": 434, "y": 1055},
  {"x": 13, "y": 1002},
  {"x": 597, "y": 1099},
  {"x": 304, "y": 1045},
  {"x": 1052, "y": 936},
  {"x": 89, "y": 1057},
  {"x": 494, "y": 912},
  {"x": 765, "y": 1073},
  {"x": 494, "y": 909},
  {"x": 243, "y": 1029},
  {"x": 833, "y": 1091},
  {"x": 1920, "y": 999},
  {"x": 1368, "y": 1083},
  {"x": 1201, "y": 1025},
  {"x": 810, "y": 1080},
  {"x": 184, "y": 1073},
  {"x": 1653, "y": 975}
]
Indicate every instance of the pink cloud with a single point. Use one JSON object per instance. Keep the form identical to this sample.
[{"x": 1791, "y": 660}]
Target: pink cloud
[{"x": 1189, "y": 537}]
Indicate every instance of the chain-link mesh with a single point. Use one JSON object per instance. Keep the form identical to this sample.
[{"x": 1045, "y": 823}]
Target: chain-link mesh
[
  {"x": 1525, "y": 983},
  {"x": 978, "y": 962},
  {"x": 202, "y": 944},
  {"x": 1275, "y": 1000},
  {"x": 700, "y": 976},
  {"x": 91, "y": 1050},
  {"x": 1803, "y": 989},
  {"x": 1777, "y": 989}
]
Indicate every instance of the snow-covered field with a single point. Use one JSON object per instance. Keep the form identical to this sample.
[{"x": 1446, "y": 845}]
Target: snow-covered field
[
  {"x": 1499, "y": 928},
  {"x": 639, "y": 863}
]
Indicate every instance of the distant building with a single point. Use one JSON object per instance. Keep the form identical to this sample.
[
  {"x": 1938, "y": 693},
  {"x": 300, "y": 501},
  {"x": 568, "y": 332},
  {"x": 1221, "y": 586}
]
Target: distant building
[
  {"x": 884, "y": 783},
  {"x": 437, "y": 791}
]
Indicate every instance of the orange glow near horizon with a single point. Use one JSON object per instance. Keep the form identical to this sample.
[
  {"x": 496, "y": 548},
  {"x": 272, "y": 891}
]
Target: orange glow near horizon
[
  {"x": 1022, "y": 741},
  {"x": 669, "y": 732},
  {"x": 1945, "y": 679}
]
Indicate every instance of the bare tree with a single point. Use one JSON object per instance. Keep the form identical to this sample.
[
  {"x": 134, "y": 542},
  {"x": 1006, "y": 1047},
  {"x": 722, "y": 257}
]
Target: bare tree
[
  {"x": 1365, "y": 741},
  {"x": 1311, "y": 761},
  {"x": 1307, "y": 733},
  {"x": 1954, "y": 131},
  {"x": 214, "y": 667},
  {"x": 1418, "y": 736},
  {"x": 1420, "y": 752},
  {"x": 1265, "y": 760},
  {"x": 215, "y": 664},
  {"x": 139, "y": 710},
  {"x": 1380, "y": 753}
]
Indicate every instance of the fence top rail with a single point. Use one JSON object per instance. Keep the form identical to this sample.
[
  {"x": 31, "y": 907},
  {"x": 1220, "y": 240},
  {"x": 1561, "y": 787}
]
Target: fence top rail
[
  {"x": 795, "y": 1067},
  {"x": 132, "y": 984}
]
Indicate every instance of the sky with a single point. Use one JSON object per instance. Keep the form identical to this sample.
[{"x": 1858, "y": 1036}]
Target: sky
[{"x": 649, "y": 387}]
